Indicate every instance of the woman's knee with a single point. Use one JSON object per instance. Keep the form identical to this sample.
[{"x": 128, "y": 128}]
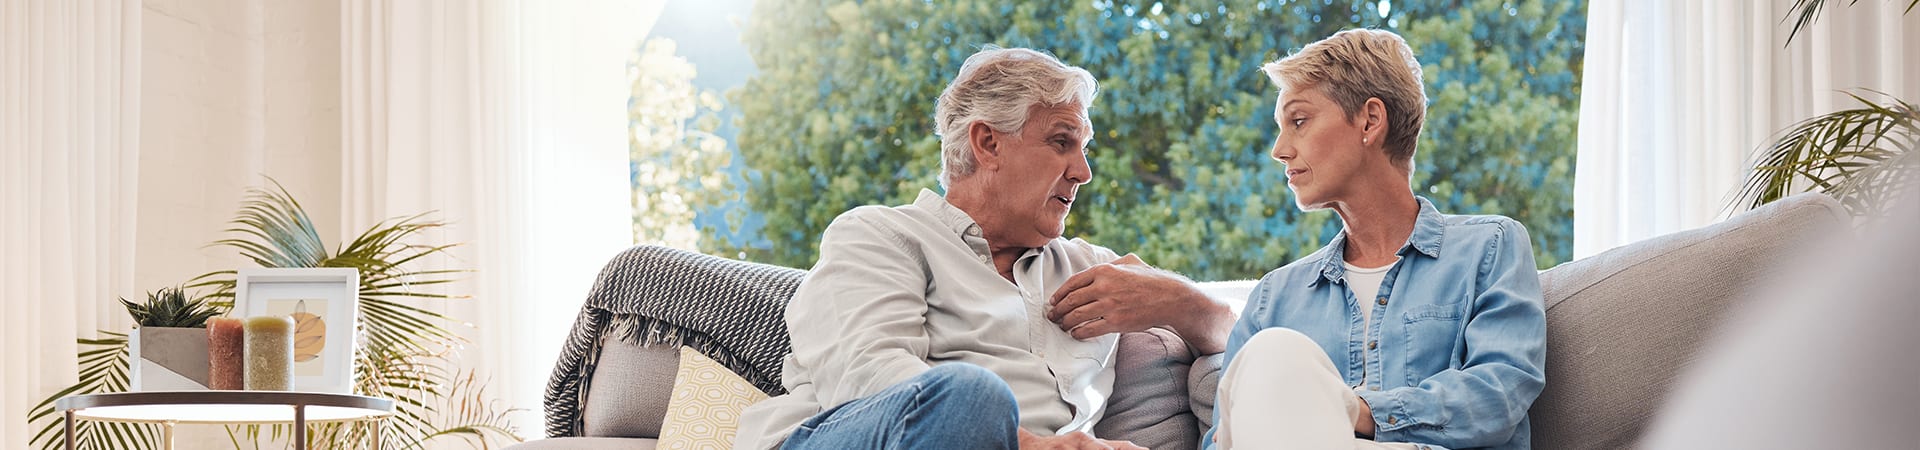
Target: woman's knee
[
  {"x": 1279, "y": 349},
  {"x": 1279, "y": 340}
]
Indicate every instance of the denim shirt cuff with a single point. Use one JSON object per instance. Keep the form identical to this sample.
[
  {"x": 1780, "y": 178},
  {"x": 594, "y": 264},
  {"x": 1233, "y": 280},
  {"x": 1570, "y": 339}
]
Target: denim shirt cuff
[{"x": 1389, "y": 412}]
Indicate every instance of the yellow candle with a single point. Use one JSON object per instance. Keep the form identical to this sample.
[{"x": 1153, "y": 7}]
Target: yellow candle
[{"x": 269, "y": 353}]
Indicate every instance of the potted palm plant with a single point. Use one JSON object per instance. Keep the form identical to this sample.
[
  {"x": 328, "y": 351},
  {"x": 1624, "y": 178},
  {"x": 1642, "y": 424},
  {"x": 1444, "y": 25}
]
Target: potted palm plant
[
  {"x": 169, "y": 342},
  {"x": 402, "y": 357}
]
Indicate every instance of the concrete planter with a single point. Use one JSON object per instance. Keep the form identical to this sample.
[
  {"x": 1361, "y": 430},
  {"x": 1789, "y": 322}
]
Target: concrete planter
[{"x": 168, "y": 359}]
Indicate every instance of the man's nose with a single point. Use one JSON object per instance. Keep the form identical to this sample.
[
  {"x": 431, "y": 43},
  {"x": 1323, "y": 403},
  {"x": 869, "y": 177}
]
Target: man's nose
[{"x": 1080, "y": 172}]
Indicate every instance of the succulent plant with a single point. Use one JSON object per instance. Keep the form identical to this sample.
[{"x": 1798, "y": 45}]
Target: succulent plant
[{"x": 171, "y": 307}]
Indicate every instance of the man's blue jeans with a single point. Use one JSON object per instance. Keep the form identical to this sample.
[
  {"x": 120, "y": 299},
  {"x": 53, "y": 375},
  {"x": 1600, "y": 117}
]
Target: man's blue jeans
[{"x": 952, "y": 406}]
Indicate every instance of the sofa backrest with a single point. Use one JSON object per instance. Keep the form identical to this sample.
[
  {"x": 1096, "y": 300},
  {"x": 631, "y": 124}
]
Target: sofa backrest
[{"x": 1622, "y": 324}]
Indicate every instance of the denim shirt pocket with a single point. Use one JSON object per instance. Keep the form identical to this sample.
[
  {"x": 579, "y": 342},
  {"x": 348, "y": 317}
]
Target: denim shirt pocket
[{"x": 1432, "y": 331}]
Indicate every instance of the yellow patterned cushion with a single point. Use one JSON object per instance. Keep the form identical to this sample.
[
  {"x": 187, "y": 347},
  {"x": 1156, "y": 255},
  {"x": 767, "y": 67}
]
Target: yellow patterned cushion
[{"x": 705, "y": 408}]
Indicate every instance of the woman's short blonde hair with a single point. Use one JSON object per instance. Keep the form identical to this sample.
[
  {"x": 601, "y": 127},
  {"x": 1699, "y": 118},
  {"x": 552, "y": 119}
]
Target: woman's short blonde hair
[{"x": 1354, "y": 65}]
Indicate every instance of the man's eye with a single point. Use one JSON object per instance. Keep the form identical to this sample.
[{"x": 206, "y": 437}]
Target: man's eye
[{"x": 1297, "y": 122}]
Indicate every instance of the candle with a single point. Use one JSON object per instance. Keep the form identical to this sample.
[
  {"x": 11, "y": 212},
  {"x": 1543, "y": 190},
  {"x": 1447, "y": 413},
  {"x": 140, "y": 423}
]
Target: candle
[
  {"x": 224, "y": 354},
  {"x": 269, "y": 353}
]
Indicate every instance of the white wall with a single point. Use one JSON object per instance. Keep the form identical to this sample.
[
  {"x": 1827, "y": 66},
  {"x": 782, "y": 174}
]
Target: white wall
[{"x": 233, "y": 89}]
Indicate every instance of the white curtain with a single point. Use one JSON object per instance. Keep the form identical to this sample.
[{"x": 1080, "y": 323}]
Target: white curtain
[
  {"x": 508, "y": 117},
  {"x": 69, "y": 142},
  {"x": 1676, "y": 97}
]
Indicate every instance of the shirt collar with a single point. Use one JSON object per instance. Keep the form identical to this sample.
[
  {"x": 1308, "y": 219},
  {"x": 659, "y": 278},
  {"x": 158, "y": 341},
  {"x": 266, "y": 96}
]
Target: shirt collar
[
  {"x": 956, "y": 220},
  {"x": 1428, "y": 232},
  {"x": 961, "y": 224}
]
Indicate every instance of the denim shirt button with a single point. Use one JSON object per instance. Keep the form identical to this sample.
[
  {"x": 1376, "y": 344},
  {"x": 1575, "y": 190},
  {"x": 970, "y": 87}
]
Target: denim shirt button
[
  {"x": 1392, "y": 420},
  {"x": 1373, "y": 345},
  {"x": 1383, "y": 300}
]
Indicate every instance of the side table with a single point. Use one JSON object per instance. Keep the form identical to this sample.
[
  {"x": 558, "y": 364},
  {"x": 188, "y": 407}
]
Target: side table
[{"x": 168, "y": 408}]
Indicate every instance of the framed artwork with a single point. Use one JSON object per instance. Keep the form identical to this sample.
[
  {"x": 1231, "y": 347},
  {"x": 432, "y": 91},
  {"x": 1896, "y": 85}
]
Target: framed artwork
[{"x": 324, "y": 304}]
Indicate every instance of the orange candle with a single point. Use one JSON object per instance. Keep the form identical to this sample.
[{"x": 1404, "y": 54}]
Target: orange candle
[{"x": 224, "y": 352}]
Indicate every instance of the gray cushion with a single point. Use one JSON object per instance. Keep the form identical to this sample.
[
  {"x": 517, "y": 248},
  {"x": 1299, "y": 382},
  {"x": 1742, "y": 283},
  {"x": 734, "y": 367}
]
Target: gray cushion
[
  {"x": 630, "y": 388},
  {"x": 1149, "y": 403},
  {"x": 1622, "y": 324},
  {"x": 585, "y": 443}
]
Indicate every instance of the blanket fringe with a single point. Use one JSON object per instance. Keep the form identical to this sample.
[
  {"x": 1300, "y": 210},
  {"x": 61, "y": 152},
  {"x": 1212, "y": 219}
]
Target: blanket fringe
[{"x": 649, "y": 332}]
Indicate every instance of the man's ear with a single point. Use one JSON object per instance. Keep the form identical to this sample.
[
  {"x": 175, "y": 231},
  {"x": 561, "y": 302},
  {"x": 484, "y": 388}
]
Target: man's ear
[
  {"x": 986, "y": 146},
  {"x": 1373, "y": 120}
]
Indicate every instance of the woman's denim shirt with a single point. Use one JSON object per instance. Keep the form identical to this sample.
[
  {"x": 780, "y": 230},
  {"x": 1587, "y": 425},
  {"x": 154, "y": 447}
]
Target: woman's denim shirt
[{"x": 1456, "y": 351}]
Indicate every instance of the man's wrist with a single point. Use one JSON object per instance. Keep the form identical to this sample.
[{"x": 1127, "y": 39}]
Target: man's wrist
[{"x": 1206, "y": 332}]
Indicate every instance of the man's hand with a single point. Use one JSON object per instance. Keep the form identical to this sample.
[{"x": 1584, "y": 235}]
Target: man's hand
[
  {"x": 1128, "y": 295},
  {"x": 1078, "y": 440}
]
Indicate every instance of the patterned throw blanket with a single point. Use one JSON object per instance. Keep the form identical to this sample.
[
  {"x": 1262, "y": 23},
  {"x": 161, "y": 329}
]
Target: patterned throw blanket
[{"x": 731, "y": 311}]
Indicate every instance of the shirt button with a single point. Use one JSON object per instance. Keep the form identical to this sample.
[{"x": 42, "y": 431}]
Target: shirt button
[
  {"x": 1391, "y": 420},
  {"x": 1373, "y": 345},
  {"x": 1383, "y": 300}
]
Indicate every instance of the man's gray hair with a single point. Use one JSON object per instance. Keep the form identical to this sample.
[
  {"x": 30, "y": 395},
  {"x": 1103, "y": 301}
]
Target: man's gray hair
[{"x": 998, "y": 86}]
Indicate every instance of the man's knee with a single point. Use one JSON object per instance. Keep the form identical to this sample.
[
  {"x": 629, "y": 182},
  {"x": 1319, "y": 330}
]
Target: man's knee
[{"x": 968, "y": 380}]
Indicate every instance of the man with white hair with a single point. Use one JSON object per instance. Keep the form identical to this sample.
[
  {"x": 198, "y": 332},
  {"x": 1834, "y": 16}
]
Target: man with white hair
[{"x": 926, "y": 326}]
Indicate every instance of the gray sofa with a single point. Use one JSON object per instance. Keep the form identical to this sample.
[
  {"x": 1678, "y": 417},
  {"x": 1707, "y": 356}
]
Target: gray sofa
[{"x": 1621, "y": 326}]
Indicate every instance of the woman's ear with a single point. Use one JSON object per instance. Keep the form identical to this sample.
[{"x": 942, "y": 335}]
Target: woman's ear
[
  {"x": 1373, "y": 117},
  {"x": 986, "y": 146}
]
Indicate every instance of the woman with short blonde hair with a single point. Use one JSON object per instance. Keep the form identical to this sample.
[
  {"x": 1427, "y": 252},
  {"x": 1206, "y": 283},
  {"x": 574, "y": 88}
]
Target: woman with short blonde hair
[{"x": 1411, "y": 328}]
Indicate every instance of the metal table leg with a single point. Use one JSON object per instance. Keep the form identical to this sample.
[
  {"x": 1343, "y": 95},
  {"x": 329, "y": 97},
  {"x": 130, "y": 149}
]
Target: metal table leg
[
  {"x": 300, "y": 427},
  {"x": 167, "y": 430},
  {"x": 70, "y": 430}
]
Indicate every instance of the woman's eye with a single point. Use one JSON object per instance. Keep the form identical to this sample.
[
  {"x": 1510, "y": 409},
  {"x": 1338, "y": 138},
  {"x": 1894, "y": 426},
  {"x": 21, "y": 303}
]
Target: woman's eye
[{"x": 1297, "y": 122}]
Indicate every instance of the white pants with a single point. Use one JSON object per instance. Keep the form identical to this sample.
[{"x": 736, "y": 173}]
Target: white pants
[{"x": 1281, "y": 391}]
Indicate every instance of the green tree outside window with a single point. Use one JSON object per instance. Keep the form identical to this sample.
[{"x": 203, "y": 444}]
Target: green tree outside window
[{"x": 840, "y": 115}]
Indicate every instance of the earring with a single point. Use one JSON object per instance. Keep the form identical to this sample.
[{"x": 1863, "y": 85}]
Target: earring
[{"x": 1363, "y": 140}]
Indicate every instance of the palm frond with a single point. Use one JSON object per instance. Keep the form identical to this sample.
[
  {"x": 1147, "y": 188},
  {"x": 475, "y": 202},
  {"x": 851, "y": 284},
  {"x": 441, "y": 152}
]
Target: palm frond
[
  {"x": 1804, "y": 12},
  {"x": 103, "y": 368},
  {"x": 1860, "y": 156},
  {"x": 468, "y": 414}
]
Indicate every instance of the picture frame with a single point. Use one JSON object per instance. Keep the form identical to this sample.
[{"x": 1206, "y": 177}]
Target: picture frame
[{"x": 325, "y": 304}]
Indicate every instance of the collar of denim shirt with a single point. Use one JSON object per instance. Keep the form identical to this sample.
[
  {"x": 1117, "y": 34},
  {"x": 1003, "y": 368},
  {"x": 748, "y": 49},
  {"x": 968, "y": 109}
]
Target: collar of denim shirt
[{"x": 1429, "y": 229}]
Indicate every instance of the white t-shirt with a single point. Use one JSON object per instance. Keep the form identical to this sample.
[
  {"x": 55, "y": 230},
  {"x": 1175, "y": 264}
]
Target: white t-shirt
[{"x": 1365, "y": 283}]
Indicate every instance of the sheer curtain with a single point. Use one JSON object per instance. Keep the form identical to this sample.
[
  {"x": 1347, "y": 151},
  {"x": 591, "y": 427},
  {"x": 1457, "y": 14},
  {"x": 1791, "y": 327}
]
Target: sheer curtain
[
  {"x": 69, "y": 144},
  {"x": 509, "y": 118},
  {"x": 1676, "y": 97}
]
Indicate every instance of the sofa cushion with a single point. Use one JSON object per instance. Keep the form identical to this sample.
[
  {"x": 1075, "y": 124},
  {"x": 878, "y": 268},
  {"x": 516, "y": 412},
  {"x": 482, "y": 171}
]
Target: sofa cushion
[
  {"x": 630, "y": 390},
  {"x": 1149, "y": 403},
  {"x": 707, "y": 399},
  {"x": 1622, "y": 324}
]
